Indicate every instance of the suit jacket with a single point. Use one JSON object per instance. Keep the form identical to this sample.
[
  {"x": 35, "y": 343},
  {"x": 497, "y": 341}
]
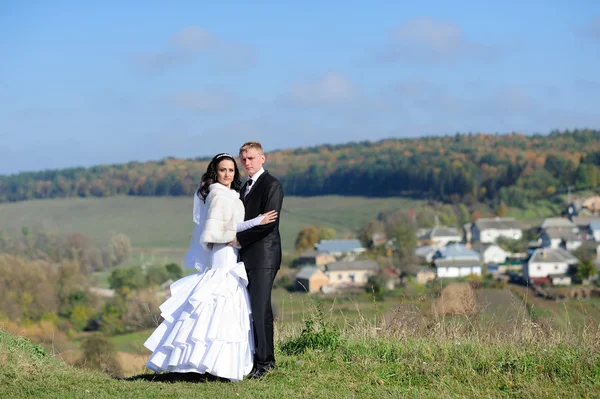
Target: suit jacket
[{"x": 261, "y": 245}]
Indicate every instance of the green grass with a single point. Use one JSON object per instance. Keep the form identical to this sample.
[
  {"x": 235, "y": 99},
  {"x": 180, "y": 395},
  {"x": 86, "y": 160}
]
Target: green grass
[
  {"x": 461, "y": 359},
  {"x": 164, "y": 224}
]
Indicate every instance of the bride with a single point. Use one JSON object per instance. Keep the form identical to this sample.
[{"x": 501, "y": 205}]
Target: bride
[{"x": 207, "y": 325}]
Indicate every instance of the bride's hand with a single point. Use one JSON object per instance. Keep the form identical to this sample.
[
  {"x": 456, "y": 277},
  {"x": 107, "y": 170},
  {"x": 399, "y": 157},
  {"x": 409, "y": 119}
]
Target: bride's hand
[{"x": 269, "y": 217}]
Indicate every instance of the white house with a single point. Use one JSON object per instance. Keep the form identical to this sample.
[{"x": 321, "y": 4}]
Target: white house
[
  {"x": 445, "y": 268},
  {"x": 456, "y": 260},
  {"x": 351, "y": 273},
  {"x": 491, "y": 253},
  {"x": 560, "y": 238},
  {"x": 583, "y": 226},
  {"x": 557, "y": 223},
  {"x": 443, "y": 235},
  {"x": 554, "y": 263},
  {"x": 340, "y": 247},
  {"x": 488, "y": 230},
  {"x": 595, "y": 231}
]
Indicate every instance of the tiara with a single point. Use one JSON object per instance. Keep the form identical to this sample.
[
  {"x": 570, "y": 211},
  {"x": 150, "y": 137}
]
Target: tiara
[{"x": 223, "y": 155}]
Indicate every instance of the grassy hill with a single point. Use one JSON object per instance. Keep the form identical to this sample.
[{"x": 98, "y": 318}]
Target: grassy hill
[
  {"x": 165, "y": 222},
  {"x": 464, "y": 358}
]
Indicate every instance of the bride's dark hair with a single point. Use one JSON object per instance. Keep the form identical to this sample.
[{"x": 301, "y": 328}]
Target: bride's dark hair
[{"x": 210, "y": 176}]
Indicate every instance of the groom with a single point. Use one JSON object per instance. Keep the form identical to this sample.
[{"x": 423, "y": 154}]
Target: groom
[{"x": 260, "y": 251}]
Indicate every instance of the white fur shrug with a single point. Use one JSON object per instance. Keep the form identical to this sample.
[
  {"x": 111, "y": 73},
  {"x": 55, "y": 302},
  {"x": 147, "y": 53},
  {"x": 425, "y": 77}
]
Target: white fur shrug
[{"x": 224, "y": 210}]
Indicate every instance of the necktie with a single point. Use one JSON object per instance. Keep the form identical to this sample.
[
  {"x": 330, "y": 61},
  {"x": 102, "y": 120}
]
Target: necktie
[{"x": 248, "y": 184}]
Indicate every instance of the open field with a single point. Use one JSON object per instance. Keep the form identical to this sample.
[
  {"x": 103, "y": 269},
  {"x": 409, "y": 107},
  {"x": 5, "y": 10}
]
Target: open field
[
  {"x": 565, "y": 315},
  {"x": 163, "y": 224},
  {"x": 462, "y": 359}
]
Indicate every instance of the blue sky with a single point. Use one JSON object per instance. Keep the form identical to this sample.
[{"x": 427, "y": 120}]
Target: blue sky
[{"x": 110, "y": 82}]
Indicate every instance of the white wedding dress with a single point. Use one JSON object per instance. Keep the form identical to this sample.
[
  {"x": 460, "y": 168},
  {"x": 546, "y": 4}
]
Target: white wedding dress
[{"x": 207, "y": 325}]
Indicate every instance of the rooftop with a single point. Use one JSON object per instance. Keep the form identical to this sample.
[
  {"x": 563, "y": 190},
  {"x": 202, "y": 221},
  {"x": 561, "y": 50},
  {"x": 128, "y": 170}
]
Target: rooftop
[
  {"x": 563, "y": 234},
  {"x": 582, "y": 221},
  {"x": 308, "y": 271},
  {"x": 556, "y": 223},
  {"x": 497, "y": 223},
  {"x": 458, "y": 251},
  {"x": 552, "y": 255},
  {"x": 443, "y": 231},
  {"x": 353, "y": 265},
  {"x": 333, "y": 246},
  {"x": 457, "y": 263}
]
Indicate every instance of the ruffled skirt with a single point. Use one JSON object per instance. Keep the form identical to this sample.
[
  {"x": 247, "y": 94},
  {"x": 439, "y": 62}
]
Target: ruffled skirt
[{"x": 207, "y": 322}]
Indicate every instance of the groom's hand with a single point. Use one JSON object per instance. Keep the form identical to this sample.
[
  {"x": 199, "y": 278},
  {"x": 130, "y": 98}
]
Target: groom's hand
[{"x": 234, "y": 242}]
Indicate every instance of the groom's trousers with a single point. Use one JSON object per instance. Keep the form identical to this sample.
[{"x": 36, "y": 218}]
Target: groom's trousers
[{"x": 260, "y": 285}]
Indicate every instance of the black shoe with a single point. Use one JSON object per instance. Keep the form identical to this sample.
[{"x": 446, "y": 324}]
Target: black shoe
[{"x": 259, "y": 373}]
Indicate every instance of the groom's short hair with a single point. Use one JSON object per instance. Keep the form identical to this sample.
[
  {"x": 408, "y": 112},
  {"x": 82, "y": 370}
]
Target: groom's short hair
[{"x": 252, "y": 145}]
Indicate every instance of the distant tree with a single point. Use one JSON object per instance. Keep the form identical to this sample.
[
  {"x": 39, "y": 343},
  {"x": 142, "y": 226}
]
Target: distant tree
[
  {"x": 512, "y": 245},
  {"x": 586, "y": 269},
  {"x": 175, "y": 271},
  {"x": 326, "y": 233},
  {"x": 307, "y": 238},
  {"x": 582, "y": 177},
  {"x": 156, "y": 275},
  {"x": 426, "y": 217},
  {"x": 447, "y": 215},
  {"x": 120, "y": 248},
  {"x": 132, "y": 277},
  {"x": 403, "y": 233},
  {"x": 501, "y": 210},
  {"x": 366, "y": 234},
  {"x": 463, "y": 214}
]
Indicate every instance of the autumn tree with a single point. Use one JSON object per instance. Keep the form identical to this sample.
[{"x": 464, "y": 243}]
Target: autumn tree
[
  {"x": 326, "y": 233},
  {"x": 501, "y": 210},
  {"x": 307, "y": 238},
  {"x": 403, "y": 233},
  {"x": 120, "y": 248}
]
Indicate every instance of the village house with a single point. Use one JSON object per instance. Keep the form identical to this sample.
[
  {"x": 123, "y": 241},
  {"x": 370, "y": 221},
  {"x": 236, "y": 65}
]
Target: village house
[
  {"x": 595, "y": 231},
  {"x": 593, "y": 204},
  {"x": 426, "y": 252},
  {"x": 456, "y": 260},
  {"x": 550, "y": 265},
  {"x": 491, "y": 253},
  {"x": 311, "y": 279},
  {"x": 560, "y": 238},
  {"x": 318, "y": 258},
  {"x": 422, "y": 274},
  {"x": 442, "y": 235},
  {"x": 391, "y": 278},
  {"x": 488, "y": 230},
  {"x": 557, "y": 223},
  {"x": 582, "y": 224},
  {"x": 446, "y": 268},
  {"x": 340, "y": 247},
  {"x": 351, "y": 273}
]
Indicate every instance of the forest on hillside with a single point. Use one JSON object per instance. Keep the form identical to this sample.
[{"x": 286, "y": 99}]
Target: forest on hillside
[{"x": 511, "y": 168}]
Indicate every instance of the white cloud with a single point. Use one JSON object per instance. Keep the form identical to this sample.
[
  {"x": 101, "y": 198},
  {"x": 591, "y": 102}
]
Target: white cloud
[
  {"x": 425, "y": 40},
  {"x": 332, "y": 88},
  {"x": 193, "y": 43}
]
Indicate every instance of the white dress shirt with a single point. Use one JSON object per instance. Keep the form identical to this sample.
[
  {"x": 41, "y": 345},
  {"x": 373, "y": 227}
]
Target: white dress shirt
[{"x": 254, "y": 179}]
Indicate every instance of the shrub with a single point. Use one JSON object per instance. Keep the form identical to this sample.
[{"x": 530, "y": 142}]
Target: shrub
[
  {"x": 316, "y": 334},
  {"x": 99, "y": 354}
]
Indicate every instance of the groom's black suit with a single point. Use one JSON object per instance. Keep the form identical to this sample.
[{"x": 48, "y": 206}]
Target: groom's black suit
[{"x": 261, "y": 254}]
